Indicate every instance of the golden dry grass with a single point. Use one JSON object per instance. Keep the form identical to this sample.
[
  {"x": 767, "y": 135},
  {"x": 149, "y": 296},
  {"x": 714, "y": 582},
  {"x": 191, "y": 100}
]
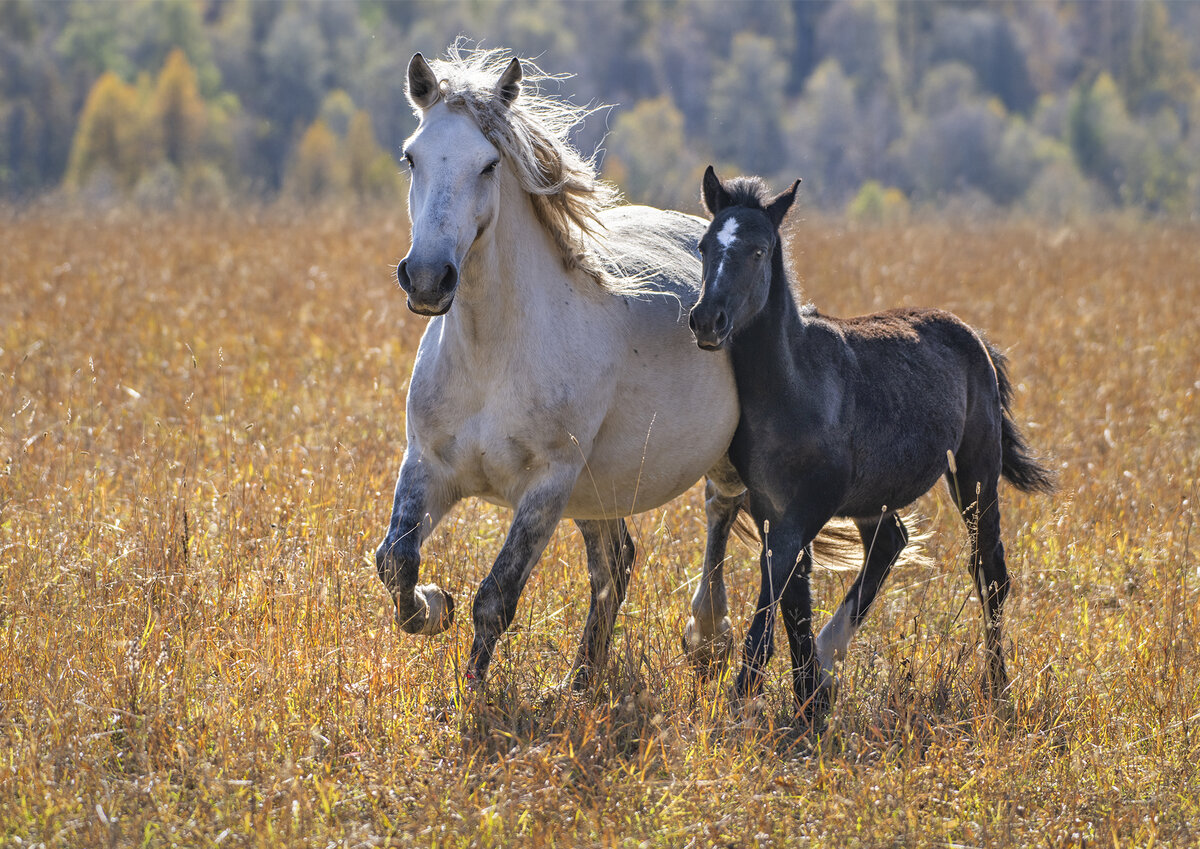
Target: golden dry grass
[{"x": 200, "y": 422}]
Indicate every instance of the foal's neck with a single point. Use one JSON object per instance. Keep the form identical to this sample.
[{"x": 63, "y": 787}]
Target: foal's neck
[{"x": 770, "y": 337}]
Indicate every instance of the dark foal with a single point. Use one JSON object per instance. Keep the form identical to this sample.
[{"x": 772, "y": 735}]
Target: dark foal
[{"x": 848, "y": 417}]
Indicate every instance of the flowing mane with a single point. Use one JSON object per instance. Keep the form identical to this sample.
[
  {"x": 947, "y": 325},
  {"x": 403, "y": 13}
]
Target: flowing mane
[{"x": 532, "y": 134}]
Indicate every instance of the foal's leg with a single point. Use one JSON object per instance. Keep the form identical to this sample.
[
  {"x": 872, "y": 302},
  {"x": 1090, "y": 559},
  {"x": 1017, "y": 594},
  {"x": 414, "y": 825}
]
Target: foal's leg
[
  {"x": 707, "y": 637},
  {"x": 974, "y": 488},
  {"x": 883, "y": 539},
  {"x": 495, "y": 605},
  {"x": 810, "y": 685},
  {"x": 786, "y": 566},
  {"x": 785, "y": 560},
  {"x": 610, "y": 554},
  {"x": 417, "y": 507}
]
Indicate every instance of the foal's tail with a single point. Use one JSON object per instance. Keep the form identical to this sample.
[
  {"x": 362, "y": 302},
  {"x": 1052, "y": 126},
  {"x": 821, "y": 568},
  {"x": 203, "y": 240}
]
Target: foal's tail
[
  {"x": 838, "y": 548},
  {"x": 1019, "y": 465}
]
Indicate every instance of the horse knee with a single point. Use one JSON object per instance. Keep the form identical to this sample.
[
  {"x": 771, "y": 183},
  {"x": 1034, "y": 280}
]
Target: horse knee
[
  {"x": 396, "y": 571},
  {"x": 491, "y": 612}
]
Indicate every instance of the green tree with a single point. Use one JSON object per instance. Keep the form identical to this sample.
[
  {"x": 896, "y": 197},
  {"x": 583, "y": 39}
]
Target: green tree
[
  {"x": 649, "y": 158},
  {"x": 1158, "y": 74},
  {"x": 746, "y": 105}
]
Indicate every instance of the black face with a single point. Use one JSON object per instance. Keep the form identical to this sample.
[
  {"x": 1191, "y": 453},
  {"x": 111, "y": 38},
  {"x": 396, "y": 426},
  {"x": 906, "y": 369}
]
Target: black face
[{"x": 736, "y": 251}]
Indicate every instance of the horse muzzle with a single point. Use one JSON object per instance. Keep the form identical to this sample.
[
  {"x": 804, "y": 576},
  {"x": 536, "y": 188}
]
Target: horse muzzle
[
  {"x": 710, "y": 329},
  {"x": 430, "y": 287}
]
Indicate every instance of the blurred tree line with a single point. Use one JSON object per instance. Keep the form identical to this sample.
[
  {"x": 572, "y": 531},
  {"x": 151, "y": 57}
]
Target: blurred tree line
[{"x": 1055, "y": 108}]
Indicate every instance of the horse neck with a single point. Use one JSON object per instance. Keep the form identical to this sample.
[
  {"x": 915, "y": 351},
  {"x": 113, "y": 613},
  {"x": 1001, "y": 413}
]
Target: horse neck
[
  {"x": 507, "y": 275},
  {"x": 770, "y": 337}
]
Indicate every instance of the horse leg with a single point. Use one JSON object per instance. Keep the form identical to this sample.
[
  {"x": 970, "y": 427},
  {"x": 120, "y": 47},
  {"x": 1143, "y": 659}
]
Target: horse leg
[
  {"x": 883, "y": 539},
  {"x": 811, "y": 688},
  {"x": 537, "y": 514},
  {"x": 610, "y": 554},
  {"x": 783, "y": 560},
  {"x": 974, "y": 488},
  {"x": 707, "y": 637},
  {"x": 416, "y": 510}
]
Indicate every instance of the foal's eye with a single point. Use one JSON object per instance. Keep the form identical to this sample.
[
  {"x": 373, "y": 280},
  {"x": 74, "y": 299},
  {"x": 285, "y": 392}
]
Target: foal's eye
[
  {"x": 408, "y": 157},
  {"x": 489, "y": 169},
  {"x": 758, "y": 254}
]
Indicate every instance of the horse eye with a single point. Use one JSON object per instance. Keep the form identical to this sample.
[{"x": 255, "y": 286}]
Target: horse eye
[
  {"x": 408, "y": 157},
  {"x": 489, "y": 169},
  {"x": 758, "y": 254}
]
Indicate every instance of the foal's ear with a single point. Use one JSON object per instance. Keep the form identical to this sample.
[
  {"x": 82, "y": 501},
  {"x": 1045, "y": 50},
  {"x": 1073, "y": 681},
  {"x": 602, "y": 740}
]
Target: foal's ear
[
  {"x": 422, "y": 88},
  {"x": 778, "y": 208},
  {"x": 509, "y": 84},
  {"x": 714, "y": 194}
]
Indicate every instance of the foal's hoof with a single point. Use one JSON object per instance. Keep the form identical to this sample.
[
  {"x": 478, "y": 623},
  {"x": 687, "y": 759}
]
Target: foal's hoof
[
  {"x": 435, "y": 611},
  {"x": 827, "y": 687},
  {"x": 815, "y": 711},
  {"x": 708, "y": 655}
]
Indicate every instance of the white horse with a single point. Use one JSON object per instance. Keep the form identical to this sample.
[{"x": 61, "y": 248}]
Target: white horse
[{"x": 558, "y": 376}]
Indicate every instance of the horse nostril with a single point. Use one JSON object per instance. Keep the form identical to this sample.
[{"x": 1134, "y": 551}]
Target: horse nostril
[
  {"x": 692, "y": 322},
  {"x": 449, "y": 279},
  {"x": 402, "y": 275}
]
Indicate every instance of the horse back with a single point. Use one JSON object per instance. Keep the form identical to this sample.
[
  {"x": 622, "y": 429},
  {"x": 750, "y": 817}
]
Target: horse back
[
  {"x": 920, "y": 381},
  {"x": 656, "y": 248}
]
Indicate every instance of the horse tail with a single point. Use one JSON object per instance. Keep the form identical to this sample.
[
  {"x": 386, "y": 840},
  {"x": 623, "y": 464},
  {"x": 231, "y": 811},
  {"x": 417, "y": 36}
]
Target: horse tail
[
  {"x": 838, "y": 548},
  {"x": 1019, "y": 465}
]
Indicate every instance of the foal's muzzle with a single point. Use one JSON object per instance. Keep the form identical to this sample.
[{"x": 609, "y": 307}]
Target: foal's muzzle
[
  {"x": 710, "y": 327},
  {"x": 430, "y": 286}
]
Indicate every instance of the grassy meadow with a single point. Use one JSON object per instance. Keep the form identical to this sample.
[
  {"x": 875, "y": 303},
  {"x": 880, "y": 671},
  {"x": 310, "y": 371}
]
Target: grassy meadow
[{"x": 201, "y": 418}]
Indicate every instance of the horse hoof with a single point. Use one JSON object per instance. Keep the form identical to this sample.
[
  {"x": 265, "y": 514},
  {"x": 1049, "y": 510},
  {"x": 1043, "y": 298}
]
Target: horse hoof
[
  {"x": 814, "y": 711},
  {"x": 435, "y": 611},
  {"x": 827, "y": 688},
  {"x": 708, "y": 655}
]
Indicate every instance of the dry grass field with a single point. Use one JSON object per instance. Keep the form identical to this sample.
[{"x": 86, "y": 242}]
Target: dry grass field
[{"x": 201, "y": 418}]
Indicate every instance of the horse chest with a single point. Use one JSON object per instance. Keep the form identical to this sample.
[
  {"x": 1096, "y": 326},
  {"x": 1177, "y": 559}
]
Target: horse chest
[{"x": 488, "y": 438}]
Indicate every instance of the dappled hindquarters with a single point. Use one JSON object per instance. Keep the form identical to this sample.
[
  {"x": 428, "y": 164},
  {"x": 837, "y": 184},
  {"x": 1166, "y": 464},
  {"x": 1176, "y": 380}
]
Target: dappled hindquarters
[{"x": 201, "y": 421}]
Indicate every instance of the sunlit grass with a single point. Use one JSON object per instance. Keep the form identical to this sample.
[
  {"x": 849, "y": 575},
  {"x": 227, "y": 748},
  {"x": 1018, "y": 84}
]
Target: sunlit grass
[{"x": 200, "y": 424}]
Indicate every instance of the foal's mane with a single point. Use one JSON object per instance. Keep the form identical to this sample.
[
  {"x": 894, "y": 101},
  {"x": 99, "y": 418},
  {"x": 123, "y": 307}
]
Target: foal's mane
[
  {"x": 750, "y": 192},
  {"x": 532, "y": 134}
]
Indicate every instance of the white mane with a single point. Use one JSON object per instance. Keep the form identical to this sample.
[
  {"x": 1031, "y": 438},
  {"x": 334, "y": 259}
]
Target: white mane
[{"x": 532, "y": 134}]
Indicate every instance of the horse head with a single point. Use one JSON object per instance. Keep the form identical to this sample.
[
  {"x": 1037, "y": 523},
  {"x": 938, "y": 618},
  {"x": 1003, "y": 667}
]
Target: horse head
[
  {"x": 738, "y": 252},
  {"x": 454, "y": 193}
]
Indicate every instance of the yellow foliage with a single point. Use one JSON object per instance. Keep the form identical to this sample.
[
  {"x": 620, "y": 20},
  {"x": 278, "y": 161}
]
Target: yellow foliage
[
  {"x": 177, "y": 112},
  {"x": 372, "y": 171},
  {"x": 317, "y": 168},
  {"x": 876, "y": 205},
  {"x": 107, "y": 133}
]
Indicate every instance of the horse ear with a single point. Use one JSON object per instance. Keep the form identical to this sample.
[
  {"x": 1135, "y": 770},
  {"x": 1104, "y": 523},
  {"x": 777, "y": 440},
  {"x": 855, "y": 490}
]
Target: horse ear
[
  {"x": 509, "y": 84},
  {"x": 422, "y": 88},
  {"x": 713, "y": 193},
  {"x": 779, "y": 207}
]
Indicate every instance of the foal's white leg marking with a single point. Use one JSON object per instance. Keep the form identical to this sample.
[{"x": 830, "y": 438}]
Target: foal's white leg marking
[{"x": 835, "y": 637}]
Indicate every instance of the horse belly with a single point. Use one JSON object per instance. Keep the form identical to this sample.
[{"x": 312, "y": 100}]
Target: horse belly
[
  {"x": 666, "y": 429},
  {"x": 902, "y": 468}
]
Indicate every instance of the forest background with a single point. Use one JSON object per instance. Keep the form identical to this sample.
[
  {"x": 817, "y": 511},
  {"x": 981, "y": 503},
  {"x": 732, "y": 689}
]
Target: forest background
[{"x": 1053, "y": 109}]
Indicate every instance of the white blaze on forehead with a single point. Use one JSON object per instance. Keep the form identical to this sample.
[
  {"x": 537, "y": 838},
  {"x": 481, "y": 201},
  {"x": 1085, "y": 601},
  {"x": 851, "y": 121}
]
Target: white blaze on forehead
[{"x": 728, "y": 232}]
